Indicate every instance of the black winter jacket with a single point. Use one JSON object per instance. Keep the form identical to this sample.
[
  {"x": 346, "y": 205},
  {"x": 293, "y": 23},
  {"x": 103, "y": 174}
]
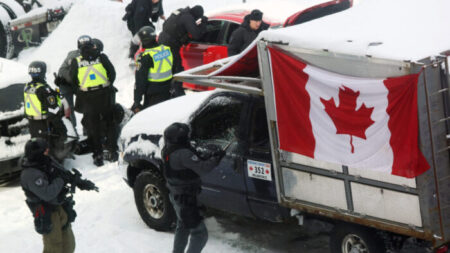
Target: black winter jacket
[
  {"x": 244, "y": 36},
  {"x": 139, "y": 13},
  {"x": 180, "y": 28}
]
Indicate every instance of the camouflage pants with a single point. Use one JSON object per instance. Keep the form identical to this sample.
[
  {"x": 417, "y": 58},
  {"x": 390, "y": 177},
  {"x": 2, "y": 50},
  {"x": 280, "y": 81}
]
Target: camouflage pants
[{"x": 59, "y": 240}]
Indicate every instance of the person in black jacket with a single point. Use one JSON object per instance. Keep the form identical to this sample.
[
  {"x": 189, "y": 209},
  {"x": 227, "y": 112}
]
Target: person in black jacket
[
  {"x": 93, "y": 76},
  {"x": 183, "y": 168},
  {"x": 46, "y": 190},
  {"x": 247, "y": 32},
  {"x": 141, "y": 13},
  {"x": 153, "y": 71},
  {"x": 180, "y": 28}
]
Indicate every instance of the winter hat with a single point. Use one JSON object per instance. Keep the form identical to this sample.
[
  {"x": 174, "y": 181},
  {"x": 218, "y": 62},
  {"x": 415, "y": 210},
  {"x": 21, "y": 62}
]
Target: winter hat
[
  {"x": 197, "y": 11},
  {"x": 256, "y": 15}
]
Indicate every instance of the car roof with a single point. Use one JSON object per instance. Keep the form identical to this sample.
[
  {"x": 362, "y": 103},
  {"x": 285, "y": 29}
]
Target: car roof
[{"x": 237, "y": 16}]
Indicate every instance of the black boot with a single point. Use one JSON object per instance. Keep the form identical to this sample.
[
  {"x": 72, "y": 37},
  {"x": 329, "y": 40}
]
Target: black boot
[{"x": 98, "y": 160}]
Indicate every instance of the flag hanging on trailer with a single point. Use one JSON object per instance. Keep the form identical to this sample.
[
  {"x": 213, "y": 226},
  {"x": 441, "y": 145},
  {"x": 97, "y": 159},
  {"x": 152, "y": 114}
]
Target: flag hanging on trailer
[{"x": 364, "y": 123}]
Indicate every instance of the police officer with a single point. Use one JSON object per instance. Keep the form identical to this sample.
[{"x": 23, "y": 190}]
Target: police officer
[
  {"x": 183, "y": 169},
  {"x": 182, "y": 26},
  {"x": 46, "y": 196},
  {"x": 93, "y": 76},
  {"x": 44, "y": 108},
  {"x": 138, "y": 15},
  {"x": 153, "y": 71},
  {"x": 247, "y": 32}
]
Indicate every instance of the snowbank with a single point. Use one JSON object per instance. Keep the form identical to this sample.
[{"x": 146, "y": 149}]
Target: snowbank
[{"x": 401, "y": 30}]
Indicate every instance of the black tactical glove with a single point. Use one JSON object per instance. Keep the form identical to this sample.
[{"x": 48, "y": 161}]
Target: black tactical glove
[
  {"x": 59, "y": 80},
  {"x": 86, "y": 185},
  {"x": 204, "y": 20},
  {"x": 136, "y": 108}
]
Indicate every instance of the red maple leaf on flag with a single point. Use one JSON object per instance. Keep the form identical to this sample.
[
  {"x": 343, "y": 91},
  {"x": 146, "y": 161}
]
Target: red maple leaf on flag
[{"x": 346, "y": 118}]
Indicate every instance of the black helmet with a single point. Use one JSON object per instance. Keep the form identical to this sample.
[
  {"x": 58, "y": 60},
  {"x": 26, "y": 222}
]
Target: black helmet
[
  {"x": 37, "y": 70},
  {"x": 177, "y": 133},
  {"x": 147, "y": 35},
  {"x": 35, "y": 148},
  {"x": 84, "y": 41},
  {"x": 98, "y": 45}
]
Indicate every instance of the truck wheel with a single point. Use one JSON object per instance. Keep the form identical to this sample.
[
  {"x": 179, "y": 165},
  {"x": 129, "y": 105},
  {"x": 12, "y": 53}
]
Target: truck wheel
[
  {"x": 3, "y": 41},
  {"x": 152, "y": 201},
  {"x": 349, "y": 238}
]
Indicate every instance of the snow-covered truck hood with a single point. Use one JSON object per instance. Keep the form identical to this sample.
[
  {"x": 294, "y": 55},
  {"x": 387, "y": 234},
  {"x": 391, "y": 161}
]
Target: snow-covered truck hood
[
  {"x": 153, "y": 120},
  {"x": 12, "y": 72}
]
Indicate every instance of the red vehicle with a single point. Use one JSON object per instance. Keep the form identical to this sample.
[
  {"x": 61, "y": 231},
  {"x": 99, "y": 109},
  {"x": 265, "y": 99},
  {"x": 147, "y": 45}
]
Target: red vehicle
[{"x": 213, "y": 45}]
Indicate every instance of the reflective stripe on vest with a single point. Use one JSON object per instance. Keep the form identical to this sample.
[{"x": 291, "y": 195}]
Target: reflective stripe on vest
[
  {"x": 33, "y": 106},
  {"x": 162, "y": 63},
  {"x": 91, "y": 74}
]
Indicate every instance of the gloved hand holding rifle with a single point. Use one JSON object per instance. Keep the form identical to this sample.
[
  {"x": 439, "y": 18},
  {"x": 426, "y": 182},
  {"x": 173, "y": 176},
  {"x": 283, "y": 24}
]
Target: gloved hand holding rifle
[{"x": 74, "y": 178}]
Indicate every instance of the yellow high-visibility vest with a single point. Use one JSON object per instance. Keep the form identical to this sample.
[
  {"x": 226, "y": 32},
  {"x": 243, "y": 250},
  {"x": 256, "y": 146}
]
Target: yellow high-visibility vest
[
  {"x": 32, "y": 104},
  {"x": 162, "y": 63},
  {"x": 91, "y": 74}
]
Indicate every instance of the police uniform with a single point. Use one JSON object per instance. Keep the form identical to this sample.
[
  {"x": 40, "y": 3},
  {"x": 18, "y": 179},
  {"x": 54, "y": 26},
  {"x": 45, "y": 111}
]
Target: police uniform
[
  {"x": 45, "y": 197},
  {"x": 153, "y": 76},
  {"x": 183, "y": 169},
  {"x": 93, "y": 78},
  {"x": 43, "y": 110}
]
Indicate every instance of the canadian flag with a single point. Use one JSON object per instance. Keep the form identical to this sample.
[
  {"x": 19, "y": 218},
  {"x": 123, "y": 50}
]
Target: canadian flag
[{"x": 358, "y": 122}]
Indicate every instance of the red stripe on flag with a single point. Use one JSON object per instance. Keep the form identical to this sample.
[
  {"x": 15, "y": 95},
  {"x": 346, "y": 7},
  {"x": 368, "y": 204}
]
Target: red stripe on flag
[
  {"x": 292, "y": 104},
  {"x": 403, "y": 124}
]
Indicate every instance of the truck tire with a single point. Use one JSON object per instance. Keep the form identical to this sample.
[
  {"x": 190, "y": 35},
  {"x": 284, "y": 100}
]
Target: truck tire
[
  {"x": 346, "y": 238},
  {"x": 152, "y": 201},
  {"x": 3, "y": 41}
]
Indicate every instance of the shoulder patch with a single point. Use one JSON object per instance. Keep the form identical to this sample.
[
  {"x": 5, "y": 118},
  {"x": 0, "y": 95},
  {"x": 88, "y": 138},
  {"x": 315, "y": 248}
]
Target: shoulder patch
[
  {"x": 51, "y": 100},
  {"x": 39, "y": 182},
  {"x": 194, "y": 158}
]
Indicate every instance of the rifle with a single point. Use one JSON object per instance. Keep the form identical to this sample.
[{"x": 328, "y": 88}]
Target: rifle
[{"x": 73, "y": 177}]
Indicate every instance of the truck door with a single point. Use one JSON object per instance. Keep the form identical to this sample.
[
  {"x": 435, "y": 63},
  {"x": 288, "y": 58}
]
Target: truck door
[
  {"x": 219, "y": 123},
  {"x": 259, "y": 174}
]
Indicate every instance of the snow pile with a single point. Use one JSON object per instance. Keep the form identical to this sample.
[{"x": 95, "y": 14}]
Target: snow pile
[
  {"x": 401, "y": 30},
  {"x": 98, "y": 19}
]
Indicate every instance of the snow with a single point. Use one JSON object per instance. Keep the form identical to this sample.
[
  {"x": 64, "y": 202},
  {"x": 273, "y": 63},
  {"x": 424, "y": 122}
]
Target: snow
[
  {"x": 399, "y": 30},
  {"x": 12, "y": 72}
]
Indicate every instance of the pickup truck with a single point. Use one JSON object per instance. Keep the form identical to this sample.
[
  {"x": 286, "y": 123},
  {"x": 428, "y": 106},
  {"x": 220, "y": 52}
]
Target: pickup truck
[{"x": 372, "y": 211}]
